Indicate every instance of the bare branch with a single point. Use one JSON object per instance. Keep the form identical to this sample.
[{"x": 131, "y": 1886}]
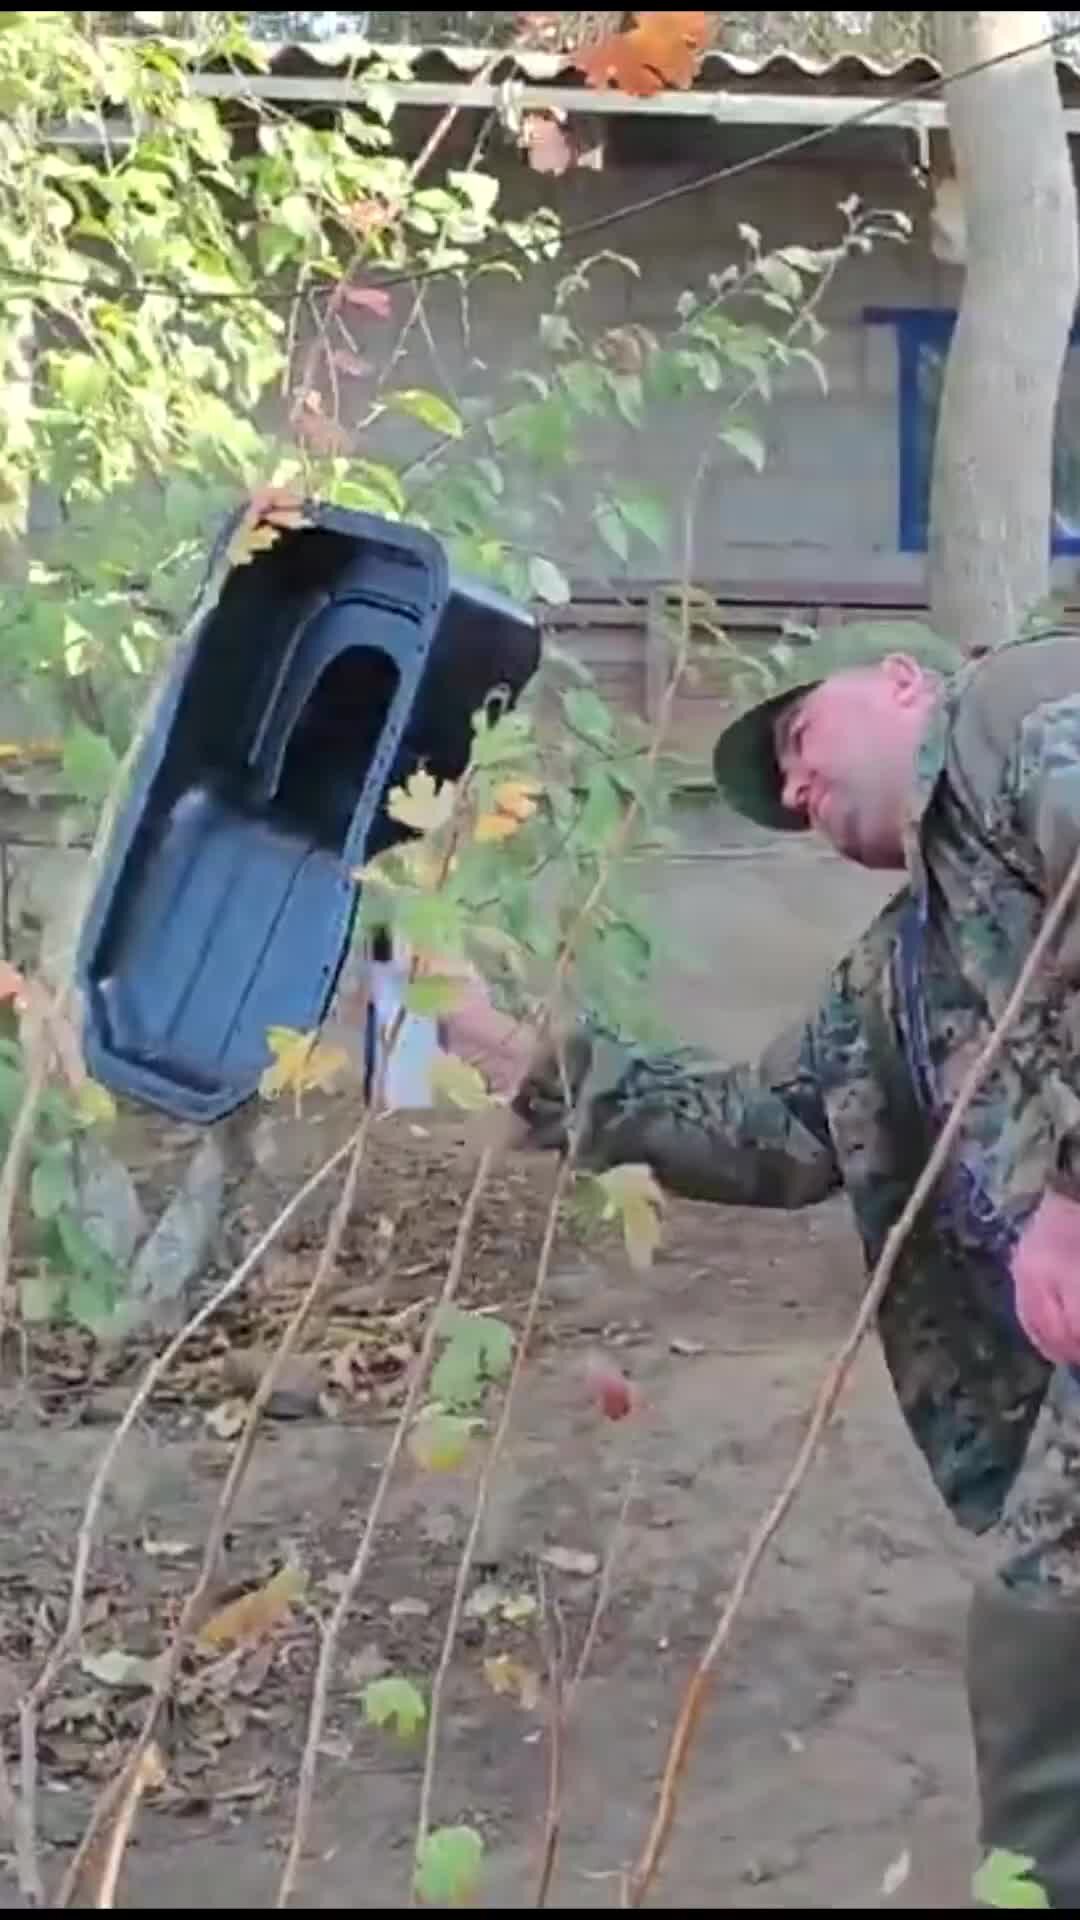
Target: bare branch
[
  {"x": 483, "y": 1488},
  {"x": 327, "y": 1653}
]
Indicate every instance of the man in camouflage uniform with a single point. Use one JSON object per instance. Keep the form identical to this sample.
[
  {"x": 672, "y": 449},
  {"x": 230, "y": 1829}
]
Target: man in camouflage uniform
[{"x": 967, "y": 777}]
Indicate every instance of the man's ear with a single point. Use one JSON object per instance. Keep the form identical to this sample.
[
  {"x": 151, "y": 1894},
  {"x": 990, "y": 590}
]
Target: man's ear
[{"x": 906, "y": 678}]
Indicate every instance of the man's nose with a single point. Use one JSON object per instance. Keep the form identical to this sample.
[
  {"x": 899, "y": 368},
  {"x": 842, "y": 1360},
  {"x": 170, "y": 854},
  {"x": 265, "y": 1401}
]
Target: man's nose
[{"x": 794, "y": 788}]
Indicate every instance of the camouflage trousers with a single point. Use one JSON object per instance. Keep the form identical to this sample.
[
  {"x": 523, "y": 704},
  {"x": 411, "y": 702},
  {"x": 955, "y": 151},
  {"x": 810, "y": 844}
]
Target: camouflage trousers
[{"x": 1037, "y": 1540}]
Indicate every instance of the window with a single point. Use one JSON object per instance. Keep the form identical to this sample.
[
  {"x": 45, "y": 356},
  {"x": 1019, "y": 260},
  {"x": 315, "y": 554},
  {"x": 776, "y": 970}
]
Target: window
[{"x": 922, "y": 341}]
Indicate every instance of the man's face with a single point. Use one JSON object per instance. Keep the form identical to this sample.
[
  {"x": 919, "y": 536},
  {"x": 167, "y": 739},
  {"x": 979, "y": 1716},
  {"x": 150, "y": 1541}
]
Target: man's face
[{"x": 846, "y": 752}]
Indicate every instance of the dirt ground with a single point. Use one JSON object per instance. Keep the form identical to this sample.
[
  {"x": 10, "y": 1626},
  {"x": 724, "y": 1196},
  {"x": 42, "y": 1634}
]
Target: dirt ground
[{"x": 835, "y": 1741}]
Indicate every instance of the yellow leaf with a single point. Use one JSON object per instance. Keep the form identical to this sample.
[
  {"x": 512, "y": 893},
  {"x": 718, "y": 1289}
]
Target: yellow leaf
[
  {"x": 459, "y": 1083},
  {"x": 247, "y": 541},
  {"x": 495, "y": 826},
  {"x": 439, "y": 1442},
  {"x": 421, "y": 804},
  {"x": 254, "y": 1614},
  {"x": 517, "y": 1608},
  {"x": 517, "y": 797},
  {"x": 301, "y": 1061},
  {"x": 631, "y": 1192},
  {"x": 509, "y": 1676},
  {"x": 95, "y": 1104},
  {"x": 150, "y": 1772}
]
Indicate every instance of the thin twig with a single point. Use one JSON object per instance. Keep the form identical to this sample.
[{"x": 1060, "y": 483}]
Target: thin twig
[
  {"x": 556, "y": 1633},
  {"x": 169, "y": 1664},
  {"x": 563, "y": 1708},
  {"x": 20, "y": 1141},
  {"x": 49, "y": 1011},
  {"x": 149, "y": 1773},
  {"x": 603, "y": 1590},
  {"x": 328, "y": 1651},
  {"x": 154, "y": 1373},
  {"x": 26, "y": 1855},
  {"x": 487, "y": 1473},
  {"x": 829, "y": 1392}
]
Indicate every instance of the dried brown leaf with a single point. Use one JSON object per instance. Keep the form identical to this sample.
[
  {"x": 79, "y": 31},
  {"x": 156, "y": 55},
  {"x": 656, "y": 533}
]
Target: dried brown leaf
[{"x": 254, "y": 1614}]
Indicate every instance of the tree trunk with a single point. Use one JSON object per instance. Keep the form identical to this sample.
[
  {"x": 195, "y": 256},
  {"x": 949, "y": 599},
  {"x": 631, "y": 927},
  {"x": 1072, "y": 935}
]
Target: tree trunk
[{"x": 990, "y": 503}]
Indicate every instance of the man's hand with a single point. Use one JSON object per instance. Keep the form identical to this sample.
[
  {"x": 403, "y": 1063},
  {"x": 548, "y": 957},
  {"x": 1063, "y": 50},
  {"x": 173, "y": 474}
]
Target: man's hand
[
  {"x": 1046, "y": 1274},
  {"x": 541, "y": 1099}
]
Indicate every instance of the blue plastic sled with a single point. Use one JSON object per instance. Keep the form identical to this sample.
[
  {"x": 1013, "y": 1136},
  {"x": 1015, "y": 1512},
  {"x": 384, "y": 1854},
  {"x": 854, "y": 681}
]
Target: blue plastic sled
[{"x": 311, "y": 679}]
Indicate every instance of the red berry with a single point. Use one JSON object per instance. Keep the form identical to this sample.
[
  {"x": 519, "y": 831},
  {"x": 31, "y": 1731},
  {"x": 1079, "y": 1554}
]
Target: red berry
[{"x": 610, "y": 1388}]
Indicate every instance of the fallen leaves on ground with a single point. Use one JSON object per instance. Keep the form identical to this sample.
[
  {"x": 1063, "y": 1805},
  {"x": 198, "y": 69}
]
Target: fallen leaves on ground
[
  {"x": 571, "y": 1560},
  {"x": 505, "y": 1675},
  {"x": 394, "y": 1701},
  {"x": 439, "y": 1442},
  {"x": 227, "y": 1419},
  {"x": 254, "y": 1614},
  {"x": 488, "y": 1600},
  {"x": 449, "y": 1866},
  {"x": 115, "y": 1668}
]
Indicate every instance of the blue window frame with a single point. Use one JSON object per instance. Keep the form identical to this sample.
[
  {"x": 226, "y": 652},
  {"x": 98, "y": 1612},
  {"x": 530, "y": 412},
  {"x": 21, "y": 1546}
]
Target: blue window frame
[{"x": 922, "y": 342}]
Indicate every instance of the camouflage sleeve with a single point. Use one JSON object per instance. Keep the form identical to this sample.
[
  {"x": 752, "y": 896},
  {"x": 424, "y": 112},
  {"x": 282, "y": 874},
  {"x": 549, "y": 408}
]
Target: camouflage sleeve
[
  {"x": 751, "y": 1136},
  {"x": 1043, "y": 783}
]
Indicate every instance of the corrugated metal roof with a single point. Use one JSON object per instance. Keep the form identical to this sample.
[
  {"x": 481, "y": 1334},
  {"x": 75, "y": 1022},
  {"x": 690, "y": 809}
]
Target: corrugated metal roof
[{"x": 781, "y": 70}]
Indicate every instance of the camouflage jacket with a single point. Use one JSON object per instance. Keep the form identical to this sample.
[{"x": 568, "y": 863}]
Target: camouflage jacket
[{"x": 854, "y": 1095}]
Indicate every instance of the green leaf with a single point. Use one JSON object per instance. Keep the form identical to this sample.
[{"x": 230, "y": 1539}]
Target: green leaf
[
  {"x": 81, "y": 1252},
  {"x": 612, "y": 529},
  {"x": 556, "y": 333},
  {"x": 82, "y": 379},
  {"x": 744, "y": 441},
  {"x": 548, "y": 581},
  {"x": 370, "y": 486},
  {"x": 647, "y": 515},
  {"x": 430, "y": 409},
  {"x": 439, "y": 1442},
  {"x": 481, "y": 190},
  {"x": 51, "y": 1185},
  {"x": 434, "y": 993},
  {"x": 497, "y": 742},
  {"x": 394, "y": 1701},
  {"x": 89, "y": 763},
  {"x": 448, "y": 1867},
  {"x": 459, "y": 1083},
  {"x": 91, "y": 1302},
  {"x": 41, "y": 1296},
  {"x": 587, "y": 714},
  {"x": 432, "y": 925},
  {"x": 297, "y": 215},
  {"x": 479, "y": 1348},
  {"x": 1003, "y": 1881},
  {"x": 781, "y": 276}
]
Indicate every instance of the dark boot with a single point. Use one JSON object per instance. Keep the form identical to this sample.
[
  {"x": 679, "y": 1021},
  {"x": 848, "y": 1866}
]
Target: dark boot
[{"x": 1023, "y": 1679}]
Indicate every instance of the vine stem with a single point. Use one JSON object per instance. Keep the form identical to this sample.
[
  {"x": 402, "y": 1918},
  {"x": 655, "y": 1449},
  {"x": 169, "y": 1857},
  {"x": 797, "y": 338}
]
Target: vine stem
[
  {"x": 305, "y": 1797},
  {"x": 351, "y": 1152},
  {"x": 483, "y": 1488},
  {"x": 648, "y": 1865}
]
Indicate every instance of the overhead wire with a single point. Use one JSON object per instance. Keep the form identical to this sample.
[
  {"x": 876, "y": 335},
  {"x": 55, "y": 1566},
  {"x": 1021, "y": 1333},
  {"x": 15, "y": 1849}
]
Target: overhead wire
[{"x": 264, "y": 291}]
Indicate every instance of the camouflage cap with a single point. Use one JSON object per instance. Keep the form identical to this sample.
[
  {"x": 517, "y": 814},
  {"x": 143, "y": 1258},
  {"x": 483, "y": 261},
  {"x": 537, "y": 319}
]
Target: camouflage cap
[{"x": 744, "y": 758}]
